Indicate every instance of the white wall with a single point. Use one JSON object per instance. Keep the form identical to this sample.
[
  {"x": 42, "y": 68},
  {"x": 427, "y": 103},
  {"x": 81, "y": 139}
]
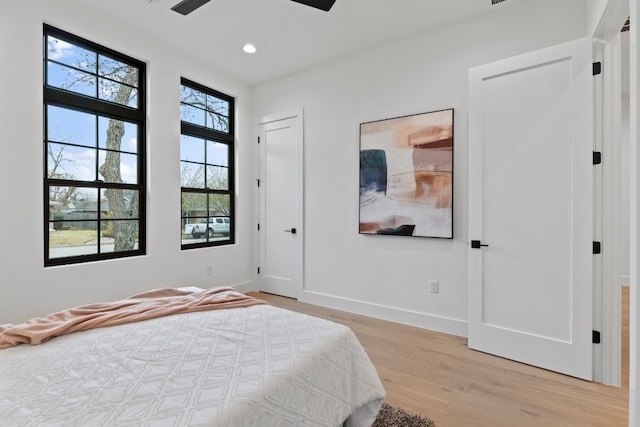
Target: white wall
[
  {"x": 27, "y": 289},
  {"x": 387, "y": 276}
]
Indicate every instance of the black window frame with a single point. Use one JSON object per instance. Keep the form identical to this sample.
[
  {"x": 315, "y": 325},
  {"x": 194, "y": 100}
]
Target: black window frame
[
  {"x": 58, "y": 97},
  {"x": 209, "y": 134}
]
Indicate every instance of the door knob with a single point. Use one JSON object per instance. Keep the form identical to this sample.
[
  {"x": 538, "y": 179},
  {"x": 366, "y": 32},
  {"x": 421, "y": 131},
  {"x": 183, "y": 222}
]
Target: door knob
[
  {"x": 477, "y": 244},
  {"x": 292, "y": 231}
]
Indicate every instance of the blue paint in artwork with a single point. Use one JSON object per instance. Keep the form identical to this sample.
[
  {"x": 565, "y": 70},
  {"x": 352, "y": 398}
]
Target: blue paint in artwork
[{"x": 373, "y": 171}]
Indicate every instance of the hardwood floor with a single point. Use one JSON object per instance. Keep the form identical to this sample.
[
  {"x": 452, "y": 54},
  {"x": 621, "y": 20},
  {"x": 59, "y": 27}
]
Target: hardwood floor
[{"x": 436, "y": 375}]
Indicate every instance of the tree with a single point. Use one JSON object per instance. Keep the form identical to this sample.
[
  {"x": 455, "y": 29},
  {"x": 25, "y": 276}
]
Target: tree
[
  {"x": 218, "y": 178},
  {"x": 124, "y": 232},
  {"x": 59, "y": 196},
  {"x": 117, "y": 84},
  {"x": 192, "y": 178},
  {"x": 219, "y": 204},
  {"x": 215, "y": 110}
]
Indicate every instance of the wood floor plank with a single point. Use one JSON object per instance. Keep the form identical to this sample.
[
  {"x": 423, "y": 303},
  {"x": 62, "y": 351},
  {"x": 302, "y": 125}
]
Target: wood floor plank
[{"x": 436, "y": 375}]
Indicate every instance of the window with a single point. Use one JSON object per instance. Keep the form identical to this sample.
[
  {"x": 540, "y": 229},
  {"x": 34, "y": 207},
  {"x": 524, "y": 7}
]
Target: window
[
  {"x": 206, "y": 166},
  {"x": 94, "y": 151}
]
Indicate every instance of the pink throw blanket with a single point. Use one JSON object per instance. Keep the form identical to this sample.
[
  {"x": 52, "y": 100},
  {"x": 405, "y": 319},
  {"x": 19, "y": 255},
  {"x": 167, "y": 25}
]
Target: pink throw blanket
[{"x": 147, "y": 305}]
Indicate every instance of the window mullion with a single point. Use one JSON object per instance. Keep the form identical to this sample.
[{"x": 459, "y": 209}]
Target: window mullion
[
  {"x": 200, "y": 132},
  {"x": 71, "y": 100}
]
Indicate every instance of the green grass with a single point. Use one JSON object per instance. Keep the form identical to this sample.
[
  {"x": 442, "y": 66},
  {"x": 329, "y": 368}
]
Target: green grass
[{"x": 71, "y": 237}]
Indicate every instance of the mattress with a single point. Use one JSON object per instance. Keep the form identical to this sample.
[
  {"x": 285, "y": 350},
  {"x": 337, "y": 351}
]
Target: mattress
[{"x": 251, "y": 366}]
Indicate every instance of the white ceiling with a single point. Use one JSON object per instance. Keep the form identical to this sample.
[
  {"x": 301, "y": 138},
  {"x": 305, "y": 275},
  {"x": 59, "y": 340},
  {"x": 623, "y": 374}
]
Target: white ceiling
[{"x": 289, "y": 36}]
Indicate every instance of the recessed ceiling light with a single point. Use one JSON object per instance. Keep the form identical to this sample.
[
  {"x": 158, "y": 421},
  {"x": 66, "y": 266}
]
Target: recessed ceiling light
[{"x": 249, "y": 48}]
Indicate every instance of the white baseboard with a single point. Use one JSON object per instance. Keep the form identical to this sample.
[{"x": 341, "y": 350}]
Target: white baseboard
[
  {"x": 244, "y": 287},
  {"x": 407, "y": 317}
]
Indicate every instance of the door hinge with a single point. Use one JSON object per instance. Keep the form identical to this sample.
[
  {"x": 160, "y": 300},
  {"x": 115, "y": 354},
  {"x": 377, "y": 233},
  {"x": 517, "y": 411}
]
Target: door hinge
[
  {"x": 597, "y": 68},
  {"x": 596, "y": 339},
  {"x": 258, "y": 140},
  {"x": 258, "y": 270},
  {"x": 597, "y": 248},
  {"x": 597, "y": 157},
  {"x": 258, "y": 226},
  {"x": 258, "y": 182}
]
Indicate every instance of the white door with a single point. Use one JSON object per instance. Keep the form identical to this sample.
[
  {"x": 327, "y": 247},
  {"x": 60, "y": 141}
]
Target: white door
[
  {"x": 280, "y": 227},
  {"x": 531, "y": 202}
]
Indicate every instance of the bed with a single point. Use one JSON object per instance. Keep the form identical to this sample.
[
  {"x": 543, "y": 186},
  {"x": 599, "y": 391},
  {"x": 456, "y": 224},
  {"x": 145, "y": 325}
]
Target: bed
[{"x": 255, "y": 365}]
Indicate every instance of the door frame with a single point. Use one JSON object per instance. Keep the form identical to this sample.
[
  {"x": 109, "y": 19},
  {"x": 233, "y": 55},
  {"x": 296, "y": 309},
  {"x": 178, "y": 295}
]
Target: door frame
[
  {"x": 608, "y": 122},
  {"x": 298, "y": 270},
  {"x": 634, "y": 135}
]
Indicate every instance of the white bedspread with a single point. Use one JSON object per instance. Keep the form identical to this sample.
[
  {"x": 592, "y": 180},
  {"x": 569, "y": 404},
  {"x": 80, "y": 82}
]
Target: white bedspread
[{"x": 255, "y": 366}]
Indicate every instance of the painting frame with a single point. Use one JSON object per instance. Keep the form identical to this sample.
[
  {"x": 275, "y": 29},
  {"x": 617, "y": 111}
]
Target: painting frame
[{"x": 407, "y": 175}]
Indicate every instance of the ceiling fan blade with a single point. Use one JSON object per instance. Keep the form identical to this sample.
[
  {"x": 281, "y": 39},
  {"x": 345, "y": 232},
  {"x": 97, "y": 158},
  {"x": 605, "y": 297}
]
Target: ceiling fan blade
[
  {"x": 185, "y": 7},
  {"x": 318, "y": 4}
]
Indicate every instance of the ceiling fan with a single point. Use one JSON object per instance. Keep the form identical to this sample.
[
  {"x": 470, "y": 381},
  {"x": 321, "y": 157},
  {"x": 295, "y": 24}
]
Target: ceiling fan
[{"x": 185, "y": 7}]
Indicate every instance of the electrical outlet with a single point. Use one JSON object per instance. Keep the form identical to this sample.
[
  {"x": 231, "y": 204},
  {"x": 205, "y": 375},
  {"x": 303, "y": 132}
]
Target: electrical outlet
[
  {"x": 433, "y": 286},
  {"x": 209, "y": 270}
]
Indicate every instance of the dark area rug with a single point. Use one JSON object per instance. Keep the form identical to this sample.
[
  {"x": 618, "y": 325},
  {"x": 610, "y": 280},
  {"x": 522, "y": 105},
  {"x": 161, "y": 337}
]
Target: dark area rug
[{"x": 391, "y": 416}]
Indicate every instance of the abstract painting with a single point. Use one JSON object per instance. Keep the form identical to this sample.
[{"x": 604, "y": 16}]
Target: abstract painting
[{"x": 406, "y": 175}]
